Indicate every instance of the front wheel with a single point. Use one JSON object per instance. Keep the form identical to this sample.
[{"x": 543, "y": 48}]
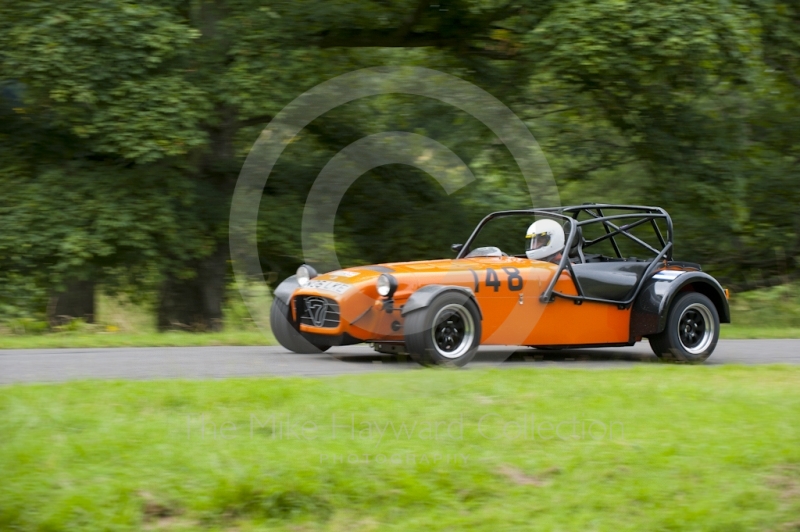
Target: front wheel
[
  {"x": 280, "y": 320},
  {"x": 446, "y": 333},
  {"x": 691, "y": 332}
]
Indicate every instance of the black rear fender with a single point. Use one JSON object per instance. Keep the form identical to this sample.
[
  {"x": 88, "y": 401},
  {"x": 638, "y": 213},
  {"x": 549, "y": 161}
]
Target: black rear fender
[{"x": 649, "y": 313}]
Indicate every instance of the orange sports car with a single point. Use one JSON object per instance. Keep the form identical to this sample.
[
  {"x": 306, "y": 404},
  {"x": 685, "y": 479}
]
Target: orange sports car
[{"x": 583, "y": 276}]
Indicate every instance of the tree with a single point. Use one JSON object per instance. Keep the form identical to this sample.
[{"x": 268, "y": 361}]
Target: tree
[
  {"x": 154, "y": 92},
  {"x": 126, "y": 123}
]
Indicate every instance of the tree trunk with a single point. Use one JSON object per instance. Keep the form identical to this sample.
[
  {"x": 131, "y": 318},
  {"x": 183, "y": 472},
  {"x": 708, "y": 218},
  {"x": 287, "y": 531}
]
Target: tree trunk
[
  {"x": 195, "y": 304},
  {"x": 77, "y": 301}
]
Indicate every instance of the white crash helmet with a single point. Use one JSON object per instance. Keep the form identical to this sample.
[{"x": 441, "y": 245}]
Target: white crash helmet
[{"x": 546, "y": 239}]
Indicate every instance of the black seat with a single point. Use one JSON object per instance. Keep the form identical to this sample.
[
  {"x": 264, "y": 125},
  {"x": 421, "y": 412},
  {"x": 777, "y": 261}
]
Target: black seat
[{"x": 577, "y": 244}]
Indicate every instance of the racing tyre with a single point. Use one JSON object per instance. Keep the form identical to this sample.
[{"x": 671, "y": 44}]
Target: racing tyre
[
  {"x": 692, "y": 330},
  {"x": 287, "y": 335},
  {"x": 445, "y": 333}
]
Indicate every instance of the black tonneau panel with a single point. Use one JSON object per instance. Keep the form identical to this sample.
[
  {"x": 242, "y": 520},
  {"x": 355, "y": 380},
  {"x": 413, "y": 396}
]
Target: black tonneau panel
[{"x": 609, "y": 280}]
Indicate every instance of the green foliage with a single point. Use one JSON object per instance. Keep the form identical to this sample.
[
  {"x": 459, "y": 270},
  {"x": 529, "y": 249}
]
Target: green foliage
[
  {"x": 115, "y": 225},
  {"x": 123, "y": 126},
  {"x": 27, "y": 326},
  {"x": 125, "y": 100},
  {"x": 778, "y": 306}
]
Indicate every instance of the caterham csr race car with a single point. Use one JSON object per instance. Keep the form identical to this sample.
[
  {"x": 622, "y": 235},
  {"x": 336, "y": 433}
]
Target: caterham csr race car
[{"x": 549, "y": 278}]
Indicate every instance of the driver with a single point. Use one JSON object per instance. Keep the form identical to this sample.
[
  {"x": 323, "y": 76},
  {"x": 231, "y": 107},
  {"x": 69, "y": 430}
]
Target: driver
[{"x": 546, "y": 240}]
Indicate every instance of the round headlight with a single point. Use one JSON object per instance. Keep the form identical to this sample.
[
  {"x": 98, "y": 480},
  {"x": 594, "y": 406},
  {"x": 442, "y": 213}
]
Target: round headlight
[
  {"x": 386, "y": 285},
  {"x": 304, "y": 274}
]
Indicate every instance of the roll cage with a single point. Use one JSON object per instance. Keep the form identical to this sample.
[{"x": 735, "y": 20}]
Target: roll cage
[{"x": 632, "y": 216}]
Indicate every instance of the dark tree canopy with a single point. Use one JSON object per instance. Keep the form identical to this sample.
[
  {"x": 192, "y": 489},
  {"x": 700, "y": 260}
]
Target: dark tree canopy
[{"x": 123, "y": 127}]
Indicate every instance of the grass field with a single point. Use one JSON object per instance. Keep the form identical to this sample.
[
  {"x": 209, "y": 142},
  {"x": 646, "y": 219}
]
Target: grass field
[
  {"x": 737, "y": 332},
  {"x": 653, "y": 448}
]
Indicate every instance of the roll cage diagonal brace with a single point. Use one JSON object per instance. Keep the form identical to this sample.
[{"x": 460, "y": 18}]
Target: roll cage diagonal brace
[{"x": 640, "y": 214}]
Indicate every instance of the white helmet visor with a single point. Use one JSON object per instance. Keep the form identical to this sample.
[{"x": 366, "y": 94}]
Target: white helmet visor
[{"x": 539, "y": 240}]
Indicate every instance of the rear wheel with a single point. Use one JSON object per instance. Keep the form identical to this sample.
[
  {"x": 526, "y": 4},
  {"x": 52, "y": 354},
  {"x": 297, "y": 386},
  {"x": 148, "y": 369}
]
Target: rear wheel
[
  {"x": 691, "y": 332},
  {"x": 280, "y": 319},
  {"x": 446, "y": 333}
]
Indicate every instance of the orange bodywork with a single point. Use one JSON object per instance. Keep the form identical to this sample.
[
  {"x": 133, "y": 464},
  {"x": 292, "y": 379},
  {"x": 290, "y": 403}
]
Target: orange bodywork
[{"x": 507, "y": 290}]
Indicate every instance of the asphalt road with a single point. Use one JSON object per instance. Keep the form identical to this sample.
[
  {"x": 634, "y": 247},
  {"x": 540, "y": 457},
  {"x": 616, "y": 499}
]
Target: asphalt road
[{"x": 54, "y": 365}]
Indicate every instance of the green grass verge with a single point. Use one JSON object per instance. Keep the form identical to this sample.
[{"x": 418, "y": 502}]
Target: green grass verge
[
  {"x": 737, "y": 332},
  {"x": 152, "y": 339},
  {"x": 186, "y": 339},
  {"x": 652, "y": 448}
]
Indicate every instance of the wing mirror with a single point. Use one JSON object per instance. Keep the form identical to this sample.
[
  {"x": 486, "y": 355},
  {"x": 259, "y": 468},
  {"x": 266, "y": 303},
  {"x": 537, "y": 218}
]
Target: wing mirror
[{"x": 456, "y": 247}]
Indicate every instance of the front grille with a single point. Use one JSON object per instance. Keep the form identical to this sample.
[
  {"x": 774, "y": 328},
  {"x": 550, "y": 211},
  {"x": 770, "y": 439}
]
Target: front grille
[{"x": 318, "y": 311}]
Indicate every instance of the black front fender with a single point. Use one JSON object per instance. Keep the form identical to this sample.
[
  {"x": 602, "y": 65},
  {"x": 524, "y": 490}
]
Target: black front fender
[
  {"x": 423, "y": 297},
  {"x": 649, "y": 312}
]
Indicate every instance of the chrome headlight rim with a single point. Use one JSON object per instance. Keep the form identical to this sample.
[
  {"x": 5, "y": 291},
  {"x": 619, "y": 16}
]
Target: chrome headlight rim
[
  {"x": 386, "y": 285},
  {"x": 304, "y": 274}
]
